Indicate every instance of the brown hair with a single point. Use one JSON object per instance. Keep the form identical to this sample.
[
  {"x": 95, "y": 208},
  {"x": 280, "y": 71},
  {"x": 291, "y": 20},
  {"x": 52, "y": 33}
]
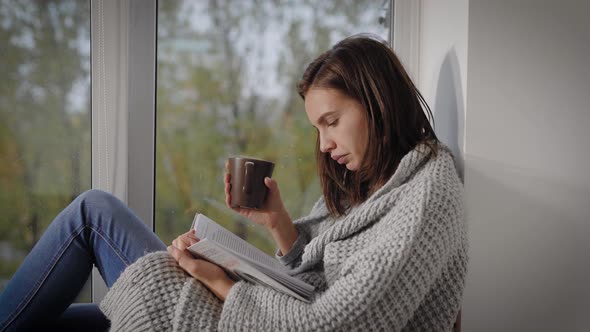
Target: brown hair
[{"x": 367, "y": 70}]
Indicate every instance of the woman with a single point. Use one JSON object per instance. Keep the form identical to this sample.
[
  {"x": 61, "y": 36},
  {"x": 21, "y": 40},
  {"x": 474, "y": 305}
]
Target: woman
[{"x": 385, "y": 246}]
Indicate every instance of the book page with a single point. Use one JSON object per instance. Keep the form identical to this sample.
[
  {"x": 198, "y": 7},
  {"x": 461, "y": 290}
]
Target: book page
[
  {"x": 209, "y": 251},
  {"x": 206, "y": 228},
  {"x": 240, "y": 267}
]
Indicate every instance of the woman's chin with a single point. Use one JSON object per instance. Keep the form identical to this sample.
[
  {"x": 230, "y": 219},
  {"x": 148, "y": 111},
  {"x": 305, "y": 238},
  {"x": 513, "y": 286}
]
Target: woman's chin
[{"x": 351, "y": 167}]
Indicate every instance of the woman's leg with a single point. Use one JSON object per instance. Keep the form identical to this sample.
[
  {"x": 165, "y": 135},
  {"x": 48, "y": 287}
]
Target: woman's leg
[
  {"x": 85, "y": 317},
  {"x": 96, "y": 228}
]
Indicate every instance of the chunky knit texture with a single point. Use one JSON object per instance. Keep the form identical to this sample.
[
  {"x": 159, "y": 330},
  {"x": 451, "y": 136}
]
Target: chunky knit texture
[
  {"x": 154, "y": 294},
  {"x": 397, "y": 262}
]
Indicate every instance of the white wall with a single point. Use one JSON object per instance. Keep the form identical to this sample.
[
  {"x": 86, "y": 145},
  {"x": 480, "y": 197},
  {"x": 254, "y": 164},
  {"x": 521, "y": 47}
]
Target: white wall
[
  {"x": 442, "y": 75},
  {"x": 527, "y": 159},
  {"x": 516, "y": 74}
]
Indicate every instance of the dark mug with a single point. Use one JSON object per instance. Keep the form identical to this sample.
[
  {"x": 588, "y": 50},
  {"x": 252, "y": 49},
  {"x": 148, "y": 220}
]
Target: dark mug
[{"x": 247, "y": 181}]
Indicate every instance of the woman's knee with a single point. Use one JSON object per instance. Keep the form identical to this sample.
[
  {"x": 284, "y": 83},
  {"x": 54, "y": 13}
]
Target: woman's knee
[
  {"x": 98, "y": 198},
  {"x": 102, "y": 208}
]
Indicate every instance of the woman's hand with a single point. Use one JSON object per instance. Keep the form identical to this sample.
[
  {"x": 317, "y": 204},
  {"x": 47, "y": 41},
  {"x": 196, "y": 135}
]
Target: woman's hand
[
  {"x": 211, "y": 275},
  {"x": 273, "y": 212},
  {"x": 272, "y": 215},
  {"x": 185, "y": 240}
]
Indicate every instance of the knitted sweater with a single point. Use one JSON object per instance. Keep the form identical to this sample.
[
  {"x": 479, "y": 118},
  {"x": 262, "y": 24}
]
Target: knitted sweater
[{"x": 397, "y": 262}]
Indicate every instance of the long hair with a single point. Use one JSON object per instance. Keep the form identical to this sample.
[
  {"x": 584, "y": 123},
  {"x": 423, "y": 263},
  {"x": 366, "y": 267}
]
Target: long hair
[{"x": 367, "y": 70}]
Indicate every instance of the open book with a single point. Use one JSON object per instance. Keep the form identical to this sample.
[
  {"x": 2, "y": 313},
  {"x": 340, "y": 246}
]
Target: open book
[{"x": 242, "y": 260}]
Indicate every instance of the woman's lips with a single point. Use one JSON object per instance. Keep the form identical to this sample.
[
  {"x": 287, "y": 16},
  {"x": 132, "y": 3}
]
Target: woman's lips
[{"x": 340, "y": 159}]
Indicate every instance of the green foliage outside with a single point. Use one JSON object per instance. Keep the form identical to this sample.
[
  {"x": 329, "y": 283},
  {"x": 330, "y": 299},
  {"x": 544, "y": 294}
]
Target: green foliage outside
[
  {"x": 213, "y": 69},
  {"x": 226, "y": 85},
  {"x": 44, "y": 119}
]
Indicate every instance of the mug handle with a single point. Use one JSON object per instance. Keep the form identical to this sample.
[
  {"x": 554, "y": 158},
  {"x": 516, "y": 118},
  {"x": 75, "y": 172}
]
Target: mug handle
[{"x": 247, "y": 188}]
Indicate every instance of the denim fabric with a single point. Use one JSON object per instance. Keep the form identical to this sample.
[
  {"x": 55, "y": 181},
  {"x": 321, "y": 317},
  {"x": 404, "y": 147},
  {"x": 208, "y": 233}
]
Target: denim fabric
[
  {"x": 78, "y": 317},
  {"x": 95, "y": 229}
]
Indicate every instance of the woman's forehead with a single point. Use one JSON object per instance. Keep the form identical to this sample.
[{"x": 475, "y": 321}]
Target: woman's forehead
[{"x": 322, "y": 100}]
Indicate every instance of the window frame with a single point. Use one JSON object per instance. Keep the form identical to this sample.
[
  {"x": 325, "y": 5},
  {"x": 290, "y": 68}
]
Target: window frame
[{"x": 123, "y": 83}]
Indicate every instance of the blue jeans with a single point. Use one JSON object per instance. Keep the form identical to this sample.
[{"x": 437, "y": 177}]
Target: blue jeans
[{"x": 95, "y": 229}]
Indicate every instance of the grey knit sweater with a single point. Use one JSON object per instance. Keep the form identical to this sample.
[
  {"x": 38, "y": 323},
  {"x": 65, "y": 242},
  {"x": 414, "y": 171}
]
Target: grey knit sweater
[{"x": 397, "y": 262}]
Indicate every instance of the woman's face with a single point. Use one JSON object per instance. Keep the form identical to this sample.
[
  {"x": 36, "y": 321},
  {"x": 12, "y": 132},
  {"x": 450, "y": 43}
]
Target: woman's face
[{"x": 341, "y": 124}]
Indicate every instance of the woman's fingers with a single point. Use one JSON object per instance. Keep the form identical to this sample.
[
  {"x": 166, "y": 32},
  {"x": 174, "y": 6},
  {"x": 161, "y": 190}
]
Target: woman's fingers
[
  {"x": 228, "y": 201},
  {"x": 182, "y": 244},
  {"x": 185, "y": 240},
  {"x": 199, "y": 269},
  {"x": 273, "y": 201},
  {"x": 270, "y": 184},
  {"x": 185, "y": 260},
  {"x": 227, "y": 182}
]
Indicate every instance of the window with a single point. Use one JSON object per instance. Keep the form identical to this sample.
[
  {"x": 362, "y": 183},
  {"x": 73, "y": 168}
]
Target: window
[
  {"x": 44, "y": 120},
  {"x": 226, "y": 85}
]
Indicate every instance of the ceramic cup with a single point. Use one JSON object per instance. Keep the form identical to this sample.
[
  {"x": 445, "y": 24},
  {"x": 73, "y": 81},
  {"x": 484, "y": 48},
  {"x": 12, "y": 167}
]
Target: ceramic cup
[{"x": 247, "y": 181}]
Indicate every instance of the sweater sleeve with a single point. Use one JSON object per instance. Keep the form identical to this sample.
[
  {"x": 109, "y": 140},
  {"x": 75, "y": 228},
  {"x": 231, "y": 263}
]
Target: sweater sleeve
[
  {"x": 379, "y": 287},
  {"x": 292, "y": 258}
]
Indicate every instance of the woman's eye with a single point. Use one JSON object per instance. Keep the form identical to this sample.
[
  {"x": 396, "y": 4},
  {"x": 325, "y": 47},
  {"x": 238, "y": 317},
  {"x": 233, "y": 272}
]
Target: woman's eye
[{"x": 333, "y": 123}]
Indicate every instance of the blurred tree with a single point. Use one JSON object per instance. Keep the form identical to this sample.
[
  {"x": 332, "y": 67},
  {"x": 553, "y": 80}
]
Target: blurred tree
[
  {"x": 227, "y": 74},
  {"x": 44, "y": 117}
]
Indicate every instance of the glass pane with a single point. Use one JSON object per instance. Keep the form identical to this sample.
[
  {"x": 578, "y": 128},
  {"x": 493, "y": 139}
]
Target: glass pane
[
  {"x": 44, "y": 120},
  {"x": 227, "y": 75}
]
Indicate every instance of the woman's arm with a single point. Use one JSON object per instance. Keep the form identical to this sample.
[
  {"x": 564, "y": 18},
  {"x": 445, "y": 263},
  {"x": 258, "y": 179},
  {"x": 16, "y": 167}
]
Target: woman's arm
[
  {"x": 272, "y": 215},
  {"x": 284, "y": 233}
]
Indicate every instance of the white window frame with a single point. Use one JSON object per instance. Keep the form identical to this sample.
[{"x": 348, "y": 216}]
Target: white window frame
[
  {"x": 123, "y": 74},
  {"x": 405, "y": 27}
]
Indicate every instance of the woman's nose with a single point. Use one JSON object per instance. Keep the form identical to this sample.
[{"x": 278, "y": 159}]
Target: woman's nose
[{"x": 326, "y": 144}]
